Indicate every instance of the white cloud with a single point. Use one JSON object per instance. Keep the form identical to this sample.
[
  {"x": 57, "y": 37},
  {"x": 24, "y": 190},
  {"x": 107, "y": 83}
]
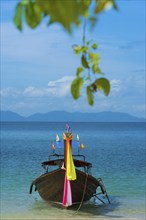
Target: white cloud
[
  {"x": 115, "y": 85},
  {"x": 7, "y": 92},
  {"x": 31, "y": 91},
  {"x": 60, "y": 87},
  {"x": 56, "y": 88},
  {"x": 124, "y": 97},
  {"x": 64, "y": 79}
]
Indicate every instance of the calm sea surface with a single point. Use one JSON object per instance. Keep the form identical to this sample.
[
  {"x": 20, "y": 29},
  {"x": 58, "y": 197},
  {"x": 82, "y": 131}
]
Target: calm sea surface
[{"x": 116, "y": 150}]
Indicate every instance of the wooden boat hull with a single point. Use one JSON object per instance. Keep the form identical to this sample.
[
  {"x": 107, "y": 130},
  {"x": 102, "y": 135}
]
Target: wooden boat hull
[{"x": 51, "y": 185}]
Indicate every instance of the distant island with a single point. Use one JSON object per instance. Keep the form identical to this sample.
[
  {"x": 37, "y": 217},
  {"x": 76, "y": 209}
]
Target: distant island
[{"x": 63, "y": 116}]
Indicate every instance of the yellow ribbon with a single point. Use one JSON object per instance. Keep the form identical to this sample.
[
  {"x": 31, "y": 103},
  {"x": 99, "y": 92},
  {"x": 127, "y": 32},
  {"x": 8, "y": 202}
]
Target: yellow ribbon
[{"x": 70, "y": 168}]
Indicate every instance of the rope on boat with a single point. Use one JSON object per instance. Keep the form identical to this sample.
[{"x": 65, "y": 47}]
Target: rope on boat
[{"x": 83, "y": 193}]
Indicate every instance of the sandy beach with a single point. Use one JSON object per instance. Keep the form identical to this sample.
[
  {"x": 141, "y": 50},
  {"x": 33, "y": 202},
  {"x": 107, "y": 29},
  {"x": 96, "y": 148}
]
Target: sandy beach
[{"x": 76, "y": 217}]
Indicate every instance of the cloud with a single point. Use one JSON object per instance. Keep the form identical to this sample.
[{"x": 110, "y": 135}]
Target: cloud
[
  {"x": 31, "y": 91},
  {"x": 60, "y": 87},
  {"x": 9, "y": 92},
  {"x": 64, "y": 79},
  {"x": 56, "y": 88},
  {"x": 127, "y": 95},
  {"x": 115, "y": 85}
]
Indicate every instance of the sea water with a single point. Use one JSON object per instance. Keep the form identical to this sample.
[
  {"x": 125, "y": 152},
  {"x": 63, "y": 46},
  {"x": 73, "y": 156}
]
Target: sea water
[{"x": 116, "y": 151}]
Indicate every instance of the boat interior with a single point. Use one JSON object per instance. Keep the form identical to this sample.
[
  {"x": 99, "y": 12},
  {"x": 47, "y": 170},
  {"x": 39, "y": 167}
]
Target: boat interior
[{"x": 58, "y": 162}]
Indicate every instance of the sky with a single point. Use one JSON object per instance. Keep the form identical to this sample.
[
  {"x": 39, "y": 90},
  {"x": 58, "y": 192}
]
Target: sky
[{"x": 38, "y": 66}]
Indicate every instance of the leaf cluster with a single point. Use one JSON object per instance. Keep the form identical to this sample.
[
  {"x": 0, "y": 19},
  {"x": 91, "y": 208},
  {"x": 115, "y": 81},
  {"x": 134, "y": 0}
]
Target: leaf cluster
[
  {"x": 89, "y": 59},
  {"x": 65, "y": 12}
]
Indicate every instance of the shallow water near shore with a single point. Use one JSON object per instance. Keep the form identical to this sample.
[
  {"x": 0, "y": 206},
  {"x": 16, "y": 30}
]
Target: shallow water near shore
[{"x": 116, "y": 151}]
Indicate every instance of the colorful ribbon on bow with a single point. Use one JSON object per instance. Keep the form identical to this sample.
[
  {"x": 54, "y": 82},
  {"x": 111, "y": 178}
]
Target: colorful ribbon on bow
[{"x": 70, "y": 172}]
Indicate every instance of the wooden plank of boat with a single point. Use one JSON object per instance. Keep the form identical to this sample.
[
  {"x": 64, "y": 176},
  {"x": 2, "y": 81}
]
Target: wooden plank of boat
[{"x": 50, "y": 186}]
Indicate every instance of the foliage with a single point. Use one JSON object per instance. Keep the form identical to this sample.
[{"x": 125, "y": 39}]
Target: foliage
[
  {"x": 90, "y": 64},
  {"x": 70, "y": 13}
]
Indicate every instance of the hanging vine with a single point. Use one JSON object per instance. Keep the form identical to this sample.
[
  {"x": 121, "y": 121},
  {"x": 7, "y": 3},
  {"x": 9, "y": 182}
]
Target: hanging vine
[{"x": 89, "y": 59}]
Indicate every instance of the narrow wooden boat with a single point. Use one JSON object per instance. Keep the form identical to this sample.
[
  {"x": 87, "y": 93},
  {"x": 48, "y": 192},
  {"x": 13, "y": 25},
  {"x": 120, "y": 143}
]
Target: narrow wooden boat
[{"x": 71, "y": 181}]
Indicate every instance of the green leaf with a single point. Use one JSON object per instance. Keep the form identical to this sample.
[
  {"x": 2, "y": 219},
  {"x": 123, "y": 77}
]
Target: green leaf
[
  {"x": 96, "y": 69},
  {"x": 100, "y": 6},
  {"x": 84, "y": 49},
  {"x": 44, "y": 6},
  {"x": 33, "y": 14},
  {"x": 24, "y": 2},
  {"x": 59, "y": 13},
  {"x": 79, "y": 71},
  {"x": 104, "y": 4},
  {"x": 103, "y": 85},
  {"x": 90, "y": 95},
  {"x": 84, "y": 6},
  {"x": 94, "y": 57},
  {"x": 76, "y": 86},
  {"x": 18, "y": 16},
  {"x": 94, "y": 46},
  {"x": 84, "y": 62},
  {"x": 77, "y": 49},
  {"x": 65, "y": 12}
]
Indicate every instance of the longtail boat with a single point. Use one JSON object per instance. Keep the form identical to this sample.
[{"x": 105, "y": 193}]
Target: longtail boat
[{"x": 70, "y": 181}]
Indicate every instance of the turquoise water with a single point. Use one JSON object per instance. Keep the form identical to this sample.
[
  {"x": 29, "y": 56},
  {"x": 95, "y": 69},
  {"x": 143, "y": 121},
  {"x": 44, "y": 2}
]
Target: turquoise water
[{"x": 116, "y": 150}]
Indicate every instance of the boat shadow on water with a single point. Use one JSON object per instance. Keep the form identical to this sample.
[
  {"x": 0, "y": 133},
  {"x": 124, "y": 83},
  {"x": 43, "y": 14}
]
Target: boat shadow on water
[
  {"x": 95, "y": 208},
  {"x": 90, "y": 209}
]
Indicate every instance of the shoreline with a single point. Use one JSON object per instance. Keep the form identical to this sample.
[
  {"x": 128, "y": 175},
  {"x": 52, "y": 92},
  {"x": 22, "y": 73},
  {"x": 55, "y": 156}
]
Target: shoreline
[{"x": 65, "y": 215}]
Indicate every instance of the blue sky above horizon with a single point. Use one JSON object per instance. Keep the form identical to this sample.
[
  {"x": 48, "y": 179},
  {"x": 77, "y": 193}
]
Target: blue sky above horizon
[{"x": 37, "y": 66}]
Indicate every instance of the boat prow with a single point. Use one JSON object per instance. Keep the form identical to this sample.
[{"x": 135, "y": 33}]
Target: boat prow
[{"x": 51, "y": 185}]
